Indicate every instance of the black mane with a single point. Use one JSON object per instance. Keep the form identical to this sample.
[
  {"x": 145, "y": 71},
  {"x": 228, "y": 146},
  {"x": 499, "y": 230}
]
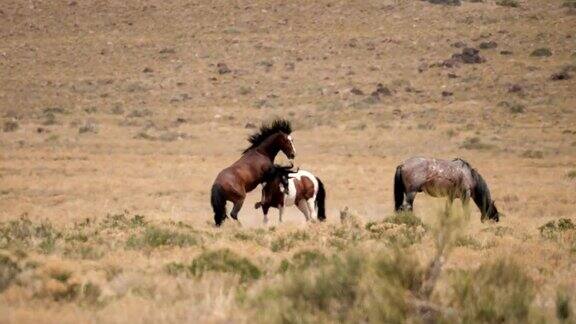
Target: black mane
[
  {"x": 280, "y": 172},
  {"x": 283, "y": 171},
  {"x": 266, "y": 130},
  {"x": 481, "y": 193}
]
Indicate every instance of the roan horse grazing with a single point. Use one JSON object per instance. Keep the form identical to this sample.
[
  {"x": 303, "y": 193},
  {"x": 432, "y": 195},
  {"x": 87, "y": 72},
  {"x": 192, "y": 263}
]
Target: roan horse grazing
[
  {"x": 253, "y": 168},
  {"x": 442, "y": 178},
  {"x": 287, "y": 188}
]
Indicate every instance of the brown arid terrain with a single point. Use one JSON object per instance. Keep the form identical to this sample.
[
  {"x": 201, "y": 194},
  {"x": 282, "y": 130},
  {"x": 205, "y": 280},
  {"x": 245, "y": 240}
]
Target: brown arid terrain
[{"x": 116, "y": 117}]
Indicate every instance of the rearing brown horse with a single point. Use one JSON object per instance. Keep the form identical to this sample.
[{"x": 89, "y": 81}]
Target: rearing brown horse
[{"x": 253, "y": 168}]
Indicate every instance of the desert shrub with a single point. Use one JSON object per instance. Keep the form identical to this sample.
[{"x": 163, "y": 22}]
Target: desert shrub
[
  {"x": 513, "y": 107},
  {"x": 156, "y": 237},
  {"x": 353, "y": 287},
  {"x": 257, "y": 236},
  {"x": 343, "y": 237},
  {"x": 499, "y": 231},
  {"x": 403, "y": 229},
  {"x": 350, "y": 219},
  {"x": 475, "y": 143},
  {"x": 350, "y": 231},
  {"x": 303, "y": 297},
  {"x": 508, "y": 3},
  {"x": 10, "y": 126},
  {"x": 496, "y": 292},
  {"x": 175, "y": 268},
  {"x": 61, "y": 275},
  {"x": 89, "y": 126},
  {"x": 468, "y": 241},
  {"x": 407, "y": 218},
  {"x": 378, "y": 230},
  {"x": 90, "y": 293},
  {"x": 562, "y": 232},
  {"x": 83, "y": 251},
  {"x": 451, "y": 133},
  {"x": 571, "y": 4},
  {"x": 541, "y": 52},
  {"x": 530, "y": 154},
  {"x": 22, "y": 233},
  {"x": 224, "y": 260},
  {"x": 8, "y": 271},
  {"x": 303, "y": 260},
  {"x": 76, "y": 237},
  {"x": 517, "y": 108},
  {"x": 406, "y": 236},
  {"x": 121, "y": 221},
  {"x": 288, "y": 241},
  {"x": 571, "y": 174},
  {"x": 552, "y": 229},
  {"x": 563, "y": 305},
  {"x": 68, "y": 292}
]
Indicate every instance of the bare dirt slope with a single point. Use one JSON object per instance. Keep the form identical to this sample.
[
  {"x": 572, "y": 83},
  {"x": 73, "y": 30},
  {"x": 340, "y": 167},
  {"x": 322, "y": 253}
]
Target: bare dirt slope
[{"x": 132, "y": 107}]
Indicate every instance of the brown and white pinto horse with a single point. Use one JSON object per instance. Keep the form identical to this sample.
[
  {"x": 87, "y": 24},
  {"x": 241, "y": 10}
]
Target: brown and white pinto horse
[
  {"x": 442, "y": 178},
  {"x": 253, "y": 168},
  {"x": 287, "y": 188}
]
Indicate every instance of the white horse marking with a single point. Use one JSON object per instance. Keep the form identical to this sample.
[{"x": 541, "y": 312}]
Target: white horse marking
[
  {"x": 292, "y": 143},
  {"x": 290, "y": 199}
]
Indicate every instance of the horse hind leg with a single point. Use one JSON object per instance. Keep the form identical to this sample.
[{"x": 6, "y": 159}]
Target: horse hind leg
[
  {"x": 410, "y": 201},
  {"x": 266, "y": 217},
  {"x": 312, "y": 208},
  {"x": 303, "y": 206},
  {"x": 236, "y": 209}
]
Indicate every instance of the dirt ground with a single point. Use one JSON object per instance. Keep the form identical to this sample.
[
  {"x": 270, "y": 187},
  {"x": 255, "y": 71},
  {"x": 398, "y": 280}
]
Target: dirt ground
[{"x": 133, "y": 107}]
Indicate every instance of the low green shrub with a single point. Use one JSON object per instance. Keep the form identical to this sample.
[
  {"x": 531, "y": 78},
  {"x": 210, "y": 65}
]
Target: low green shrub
[
  {"x": 497, "y": 292},
  {"x": 9, "y": 269},
  {"x": 288, "y": 241},
  {"x": 224, "y": 261},
  {"x": 156, "y": 237}
]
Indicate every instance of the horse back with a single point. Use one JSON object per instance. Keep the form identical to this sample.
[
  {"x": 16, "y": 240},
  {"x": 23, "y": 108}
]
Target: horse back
[
  {"x": 302, "y": 185},
  {"x": 436, "y": 177}
]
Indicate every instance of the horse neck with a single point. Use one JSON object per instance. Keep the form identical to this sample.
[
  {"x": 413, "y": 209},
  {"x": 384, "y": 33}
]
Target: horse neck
[
  {"x": 269, "y": 147},
  {"x": 481, "y": 193}
]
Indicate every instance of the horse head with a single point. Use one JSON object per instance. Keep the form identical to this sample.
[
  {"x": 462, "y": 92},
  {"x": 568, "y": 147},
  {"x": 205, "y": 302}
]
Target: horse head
[
  {"x": 287, "y": 147},
  {"x": 493, "y": 213}
]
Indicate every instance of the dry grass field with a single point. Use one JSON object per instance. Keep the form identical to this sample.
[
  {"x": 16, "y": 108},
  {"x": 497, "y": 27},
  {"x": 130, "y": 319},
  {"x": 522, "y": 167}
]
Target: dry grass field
[{"x": 117, "y": 115}]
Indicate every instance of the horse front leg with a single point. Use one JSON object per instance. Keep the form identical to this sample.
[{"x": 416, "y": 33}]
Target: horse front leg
[
  {"x": 450, "y": 200},
  {"x": 280, "y": 212},
  {"x": 466, "y": 204},
  {"x": 312, "y": 209}
]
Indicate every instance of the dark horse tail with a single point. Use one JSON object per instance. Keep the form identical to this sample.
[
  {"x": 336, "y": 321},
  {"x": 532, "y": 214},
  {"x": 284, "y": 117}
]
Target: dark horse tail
[
  {"x": 481, "y": 195},
  {"x": 218, "y": 204},
  {"x": 321, "y": 201},
  {"x": 399, "y": 189}
]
